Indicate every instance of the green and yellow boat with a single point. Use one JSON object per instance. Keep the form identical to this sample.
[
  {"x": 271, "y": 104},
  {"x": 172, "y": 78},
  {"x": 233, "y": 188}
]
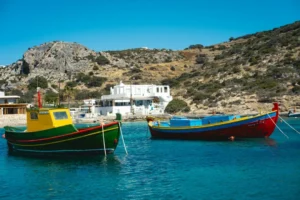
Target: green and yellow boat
[{"x": 51, "y": 131}]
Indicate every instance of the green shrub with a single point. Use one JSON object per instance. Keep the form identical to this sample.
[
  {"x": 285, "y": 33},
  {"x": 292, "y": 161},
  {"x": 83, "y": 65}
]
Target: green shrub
[
  {"x": 196, "y": 46},
  {"x": 177, "y": 105},
  {"x": 135, "y": 70},
  {"x": 96, "y": 81},
  {"x": 71, "y": 84},
  {"x": 50, "y": 97},
  {"x": 95, "y": 67},
  {"x": 296, "y": 89},
  {"x": 38, "y": 81},
  {"x": 236, "y": 69},
  {"x": 101, "y": 60},
  {"x": 54, "y": 86},
  {"x": 201, "y": 59},
  {"x": 28, "y": 96},
  {"x": 219, "y": 57},
  {"x": 81, "y": 77}
]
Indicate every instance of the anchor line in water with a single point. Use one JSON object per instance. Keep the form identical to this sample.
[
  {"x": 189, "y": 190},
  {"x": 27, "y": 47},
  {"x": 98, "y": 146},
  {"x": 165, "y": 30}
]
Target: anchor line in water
[
  {"x": 289, "y": 125},
  {"x": 278, "y": 127}
]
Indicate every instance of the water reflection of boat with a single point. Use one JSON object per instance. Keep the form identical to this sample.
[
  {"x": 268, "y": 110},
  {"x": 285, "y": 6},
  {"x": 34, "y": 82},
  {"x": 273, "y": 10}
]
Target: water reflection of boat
[
  {"x": 270, "y": 142},
  {"x": 216, "y": 127}
]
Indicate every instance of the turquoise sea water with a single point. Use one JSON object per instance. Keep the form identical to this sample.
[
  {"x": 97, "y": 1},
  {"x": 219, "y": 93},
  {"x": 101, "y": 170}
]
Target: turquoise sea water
[{"x": 162, "y": 169}]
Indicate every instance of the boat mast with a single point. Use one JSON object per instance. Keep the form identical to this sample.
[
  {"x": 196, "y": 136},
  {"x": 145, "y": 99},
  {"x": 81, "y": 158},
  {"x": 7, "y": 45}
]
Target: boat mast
[{"x": 39, "y": 97}]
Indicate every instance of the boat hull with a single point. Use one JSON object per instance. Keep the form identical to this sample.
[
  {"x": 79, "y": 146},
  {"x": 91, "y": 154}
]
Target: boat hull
[
  {"x": 65, "y": 141},
  {"x": 294, "y": 114},
  {"x": 252, "y": 127}
]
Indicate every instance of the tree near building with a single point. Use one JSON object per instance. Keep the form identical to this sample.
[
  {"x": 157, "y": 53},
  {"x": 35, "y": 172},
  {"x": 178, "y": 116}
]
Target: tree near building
[
  {"x": 38, "y": 81},
  {"x": 69, "y": 94},
  {"x": 177, "y": 105}
]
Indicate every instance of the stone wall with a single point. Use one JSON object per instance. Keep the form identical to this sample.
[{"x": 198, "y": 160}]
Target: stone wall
[{"x": 13, "y": 120}]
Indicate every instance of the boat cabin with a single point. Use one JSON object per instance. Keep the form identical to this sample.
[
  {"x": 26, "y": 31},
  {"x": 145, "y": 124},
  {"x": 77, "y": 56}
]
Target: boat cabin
[{"x": 47, "y": 118}]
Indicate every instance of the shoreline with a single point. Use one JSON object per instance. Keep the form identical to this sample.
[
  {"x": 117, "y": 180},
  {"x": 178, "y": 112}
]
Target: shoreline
[{"x": 20, "y": 119}]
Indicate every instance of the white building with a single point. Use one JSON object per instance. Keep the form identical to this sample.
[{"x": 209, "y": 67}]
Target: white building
[
  {"x": 8, "y": 99},
  {"x": 136, "y": 99},
  {"x": 10, "y": 105}
]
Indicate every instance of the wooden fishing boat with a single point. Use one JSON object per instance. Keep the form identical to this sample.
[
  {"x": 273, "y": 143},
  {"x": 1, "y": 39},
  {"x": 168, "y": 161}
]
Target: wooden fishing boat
[
  {"x": 216, "y": 127},
  {"x": 51, "y": 131},
  {"x": 293, "y": 113}
]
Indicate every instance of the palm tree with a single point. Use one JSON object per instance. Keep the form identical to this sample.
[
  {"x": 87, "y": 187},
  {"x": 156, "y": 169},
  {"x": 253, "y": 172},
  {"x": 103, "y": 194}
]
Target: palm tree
[{"x": 69, "y": 93}]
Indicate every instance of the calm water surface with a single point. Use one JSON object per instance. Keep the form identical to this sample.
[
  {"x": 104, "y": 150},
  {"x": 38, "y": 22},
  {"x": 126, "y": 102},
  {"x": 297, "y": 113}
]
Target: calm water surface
[{"x": 162, "y": 169}]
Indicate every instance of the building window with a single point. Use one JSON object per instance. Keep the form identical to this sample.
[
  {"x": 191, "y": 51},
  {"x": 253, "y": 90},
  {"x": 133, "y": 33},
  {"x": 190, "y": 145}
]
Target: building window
[
  {"x": 165, "y": 89},
  {"x": 157, "y": 90}
]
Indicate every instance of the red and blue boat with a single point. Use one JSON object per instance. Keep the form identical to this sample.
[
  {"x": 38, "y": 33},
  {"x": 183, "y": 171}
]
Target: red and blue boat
[{"x": 221, "y": 127}]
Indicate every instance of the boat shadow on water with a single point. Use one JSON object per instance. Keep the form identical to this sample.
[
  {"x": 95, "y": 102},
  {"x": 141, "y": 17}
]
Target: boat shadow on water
[{"x": 68, "y": 159}]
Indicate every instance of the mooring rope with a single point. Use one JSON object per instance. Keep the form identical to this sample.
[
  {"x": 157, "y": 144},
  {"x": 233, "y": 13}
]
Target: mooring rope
[
  {"x": 123, "y": 139},
  {"x": 103, "y": 139},
  {"x": 289, "y": 125},
  {"x": 277, "y": 126}
]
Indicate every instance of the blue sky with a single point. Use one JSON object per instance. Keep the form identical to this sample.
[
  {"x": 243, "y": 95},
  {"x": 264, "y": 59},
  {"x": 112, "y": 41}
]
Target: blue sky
[{"x": 122, "y": 24}]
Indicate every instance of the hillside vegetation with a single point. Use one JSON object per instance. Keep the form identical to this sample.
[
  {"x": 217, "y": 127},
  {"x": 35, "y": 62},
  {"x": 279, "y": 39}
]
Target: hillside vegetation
[{"x": 240, "y": 74}]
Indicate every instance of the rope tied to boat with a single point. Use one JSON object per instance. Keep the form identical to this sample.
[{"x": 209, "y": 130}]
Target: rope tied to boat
[
  {"x": 277, "y": 126},
  {"x": 103, "y": 138},
  {"x": 289, "y": 125},
  {"x": 123, "y": 139}
]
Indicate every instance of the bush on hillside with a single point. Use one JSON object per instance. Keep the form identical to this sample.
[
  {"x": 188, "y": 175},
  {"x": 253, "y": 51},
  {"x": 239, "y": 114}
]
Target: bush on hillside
[
  {"x": 96, "y": 81},
  {"x": 81, "y": 77},
  {"x": 95, "y": 67},
  {"x": 27, "y": 97},
  {"x": 71, "y": 84},
  {"x": 15, "y": 92},
  {"x": 50, "y": 97},
  {"x": 196, "y": 46},
  {"x": 86, "y": 94},
  {"x": 101, "y": 60},
  {"x": 201, "y": 59},
  {"x": 177, "y": 105},
  {"x": 38, "y": 81}
]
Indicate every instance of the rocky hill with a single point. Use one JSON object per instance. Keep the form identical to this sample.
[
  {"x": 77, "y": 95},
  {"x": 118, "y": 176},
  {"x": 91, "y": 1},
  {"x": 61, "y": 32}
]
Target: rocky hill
[{"x": 240, "y": 74}]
